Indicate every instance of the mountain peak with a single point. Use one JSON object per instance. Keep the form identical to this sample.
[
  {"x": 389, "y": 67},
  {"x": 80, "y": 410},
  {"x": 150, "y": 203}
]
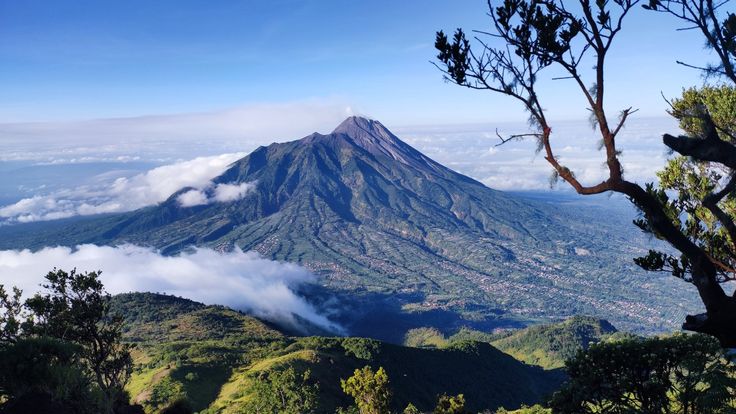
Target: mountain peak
[
  {"x": 356, "y": 125},
  {"x": 375, "y": 138}
]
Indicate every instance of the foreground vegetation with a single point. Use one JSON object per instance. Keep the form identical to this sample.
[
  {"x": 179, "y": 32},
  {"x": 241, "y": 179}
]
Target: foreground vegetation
[
  {"x": 68, "y": 351},
  {"x": 219, "y": 360},
  {"x": 61, "y": 350}
]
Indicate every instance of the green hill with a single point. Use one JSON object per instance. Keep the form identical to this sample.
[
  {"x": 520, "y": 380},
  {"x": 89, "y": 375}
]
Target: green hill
[
  {"x": 210, "y": 355},
  {"x": 151, "y": 317},
  {"x": 545, "y": 345},
  {"x": 550, "y": 345}
]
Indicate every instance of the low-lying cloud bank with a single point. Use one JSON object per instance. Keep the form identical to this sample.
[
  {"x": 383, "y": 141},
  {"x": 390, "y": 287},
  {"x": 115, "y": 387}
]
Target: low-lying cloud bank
[
  {"x": 241, "y": 280},
  {"x": 469, "y": 149},
  {"x": 220, "y": 193},
  {"x": 472, "y": 150},
  {"x": 130, "y": 193}
]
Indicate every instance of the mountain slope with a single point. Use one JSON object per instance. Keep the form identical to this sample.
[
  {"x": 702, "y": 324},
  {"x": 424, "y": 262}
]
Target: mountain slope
[
  {"x": 214, "y": 369},
  {"x": 544, "y": 345},
  {"x": 550, "y": 345},
  {"x": 399, "y": 237}
]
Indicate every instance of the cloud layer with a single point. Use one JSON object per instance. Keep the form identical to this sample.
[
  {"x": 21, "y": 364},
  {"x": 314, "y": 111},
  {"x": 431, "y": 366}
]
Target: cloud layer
[
  {"x": 469, "y": 149},
  {"x": 515, "y": 166},
  {"x": 130, "y": 193},
  {"x": 240, "y": 280},
  {"x": 168, "y": 137}
]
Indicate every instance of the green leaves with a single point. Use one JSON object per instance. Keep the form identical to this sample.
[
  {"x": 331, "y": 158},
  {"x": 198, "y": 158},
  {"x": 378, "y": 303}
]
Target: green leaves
[
  {"x": 454, "y": 55},
  {"x": 537, "y": 30},
  {"x": 685, "y": 185},
  {"x": 75, "y": 337},
  {"x": 75, "y": 309},
  {"x": 717, "y": 101},
  {"x": 448, "y": 404},
  {"x": 653, "y": 375},
  {"x": 11, "y": 315},
  {"x": 369, "y": 389},
  {"x": 283, "y": 392}
]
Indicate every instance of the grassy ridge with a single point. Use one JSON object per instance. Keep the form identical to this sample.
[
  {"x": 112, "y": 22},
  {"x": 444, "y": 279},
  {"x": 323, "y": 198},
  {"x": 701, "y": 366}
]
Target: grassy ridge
[
  {"x": 546, "y": 345},
  {"x": 210, "y": 355}
]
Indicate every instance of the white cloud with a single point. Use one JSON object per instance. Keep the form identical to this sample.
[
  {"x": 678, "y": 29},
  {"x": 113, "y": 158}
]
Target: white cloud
[
  {"x": 130, "y": 193},
  {"x": 159, "y": 183},
  {"x": 169, "y": 137},
  {"x": 240, "y": 280},
  {"x": 220, "y": 193},
  {"x": 231, "y": 192},
  {"x": 192, "y": 198},
  {"x": 516, "y": 165}
]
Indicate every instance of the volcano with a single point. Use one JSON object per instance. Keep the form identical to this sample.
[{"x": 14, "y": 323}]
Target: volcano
[{"x": 377, "y": 220}]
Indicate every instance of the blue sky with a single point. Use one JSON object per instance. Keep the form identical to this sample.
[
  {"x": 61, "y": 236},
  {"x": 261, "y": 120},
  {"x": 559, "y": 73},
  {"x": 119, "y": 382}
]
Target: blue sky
[{"x": 72, "y": 60}]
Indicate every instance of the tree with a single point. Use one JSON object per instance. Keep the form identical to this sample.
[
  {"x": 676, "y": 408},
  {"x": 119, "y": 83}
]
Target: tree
[
  {"x": 411, "y": 409},
  {"x": 369, "y": 389},
  {"x": 46, "y": 369},
  {"x": 450, "y": 404},
  {"x": 76, "y": 308},
  {"x": 11, "y": 314},
  {"x": 283, "y": 392},
  {"x": 688, "y": 374},
  {"x": 73, "y": 314},
  {"x": 534, "y": 35}
]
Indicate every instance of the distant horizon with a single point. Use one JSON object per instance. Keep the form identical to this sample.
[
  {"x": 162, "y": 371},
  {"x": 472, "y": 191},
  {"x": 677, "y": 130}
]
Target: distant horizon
[{"x": 144, "y": 160}]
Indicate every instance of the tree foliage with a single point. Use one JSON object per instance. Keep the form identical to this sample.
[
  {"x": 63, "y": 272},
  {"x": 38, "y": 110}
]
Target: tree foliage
[
  {"x": 283, "y": 392},
  {"x": 411, "y": 409},
  {"x": 529, "y": 36},
  {"x": 369, "y": 389},
  {"x": 687, "y": 374},
  {"x": 695, "y": 184},
  {"x": 450, "y": 404},
  {"x": 11, "y": 315},
  {"x": 49, "y": 367},
  {"x": 77, "y": 342},
  {"x": 76, "y": 308}
]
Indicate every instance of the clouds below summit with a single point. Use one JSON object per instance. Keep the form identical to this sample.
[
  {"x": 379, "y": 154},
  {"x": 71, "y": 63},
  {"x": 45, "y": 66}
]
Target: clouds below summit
[
  {"x": 243, "y": 281},
  {"x": 516, "y": 166},
  {"x": 168, "y": 137},
  {"x": 130, "y": 193},
  {"x": 468, "y": 149},
  {"x": 220, "y": 193}
]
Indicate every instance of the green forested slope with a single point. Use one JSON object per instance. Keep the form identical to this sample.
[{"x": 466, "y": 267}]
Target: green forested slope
[
  {"x": 210, "y": 355},
  {"x": 546, "y": 345},
  {"x": 550, "y": 345}
]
